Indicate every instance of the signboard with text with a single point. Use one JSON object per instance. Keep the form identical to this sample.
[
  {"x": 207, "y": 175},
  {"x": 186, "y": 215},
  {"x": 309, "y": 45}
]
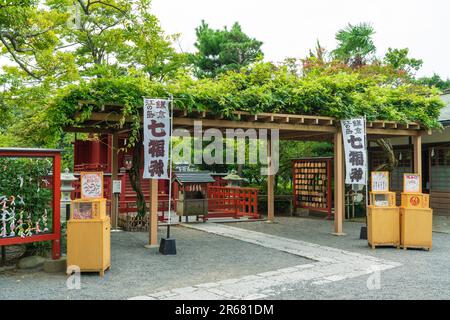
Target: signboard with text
[
  {"x": 91, "y": 185},
  {"x": 380, "y": 181},
  {"x": 354, "y": 135},
  {"x": 117, "y": 186},
  {"x": 156, "y": 138},
  {"x": 411, "y": 183}
]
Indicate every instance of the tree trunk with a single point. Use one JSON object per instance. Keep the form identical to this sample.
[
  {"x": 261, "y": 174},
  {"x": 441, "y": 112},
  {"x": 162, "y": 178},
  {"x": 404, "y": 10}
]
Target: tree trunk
[
  {"x": 392, "y": 161},
  {"x": 135, "y": 179}
]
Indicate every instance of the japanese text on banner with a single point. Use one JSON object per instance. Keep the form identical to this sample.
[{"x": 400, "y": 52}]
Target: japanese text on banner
[
  {"x": 156, "y": 138},
  {"x": 354, "y": 134}
]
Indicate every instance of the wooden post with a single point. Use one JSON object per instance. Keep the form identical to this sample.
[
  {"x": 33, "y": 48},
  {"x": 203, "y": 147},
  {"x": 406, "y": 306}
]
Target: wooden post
[
  {"x": 270, "y": 183},
  {"x": 114, "y": 176},
  {"x": 417, "y": 143},
  {"x": 153, "y": 214},
  {"x": 339, "y": 183},
  {"x": 56, "y": 222}
]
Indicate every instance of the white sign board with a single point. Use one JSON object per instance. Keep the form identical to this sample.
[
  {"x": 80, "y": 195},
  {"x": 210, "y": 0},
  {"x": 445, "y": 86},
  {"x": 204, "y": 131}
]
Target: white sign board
[
  {"x": 156, "y": 138},
  {"x": 380, "y": 181},
  {"x": 91, "y": 185},
  {"x": 117, "y": 186},
  {"x": 354, "y": 135},
  {"x": 411, "y": 183}
]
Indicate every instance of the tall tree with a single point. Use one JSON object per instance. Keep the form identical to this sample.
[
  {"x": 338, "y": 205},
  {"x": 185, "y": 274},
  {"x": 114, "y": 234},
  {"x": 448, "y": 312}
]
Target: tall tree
[
  {"x": 435, "y": 81},
  {"x": 96, "y": 35},
  {"x": 147, "y": 48},
  {"x": 223, "y": 50},
  {"x": 355, "y": 44},
  {"x": 28, "y": 38},
  {"x": 399, "y": 60}
]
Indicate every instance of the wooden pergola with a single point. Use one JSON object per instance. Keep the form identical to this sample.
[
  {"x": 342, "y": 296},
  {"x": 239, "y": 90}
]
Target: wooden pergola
[{"x": 291, "y": 127}]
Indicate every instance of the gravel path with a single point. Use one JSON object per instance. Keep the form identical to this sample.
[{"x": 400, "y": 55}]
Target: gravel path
[
  {"x": 423, "y": 275},
  {"x": 135, "y": 270},
  {"x": 204, "y": 257}
]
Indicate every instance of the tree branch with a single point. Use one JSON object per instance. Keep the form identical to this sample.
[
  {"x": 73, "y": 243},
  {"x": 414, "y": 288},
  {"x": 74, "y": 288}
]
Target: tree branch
[
  {"x": 13, "y": 41},
  {"x": 17, "y": 60},
  {"x": 106, "y": 4}
]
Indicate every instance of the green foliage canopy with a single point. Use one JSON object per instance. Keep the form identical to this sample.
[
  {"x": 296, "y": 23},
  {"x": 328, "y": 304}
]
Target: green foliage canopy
[
  {"x": 223, "y": 50},
  {"x": 330, "y": 90}
]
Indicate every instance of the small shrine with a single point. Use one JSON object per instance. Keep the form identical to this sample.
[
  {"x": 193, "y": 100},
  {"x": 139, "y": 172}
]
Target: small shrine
[{"x": 191, "y": 189}]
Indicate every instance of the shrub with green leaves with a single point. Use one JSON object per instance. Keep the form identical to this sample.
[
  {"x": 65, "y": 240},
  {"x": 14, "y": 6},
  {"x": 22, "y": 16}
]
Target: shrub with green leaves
[{"x": 25, "y": 196}]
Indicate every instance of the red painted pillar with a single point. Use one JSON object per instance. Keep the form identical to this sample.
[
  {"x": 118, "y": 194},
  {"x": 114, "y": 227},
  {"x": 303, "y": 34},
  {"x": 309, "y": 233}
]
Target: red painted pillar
[
  {"x": 95, "y": 152},
  {"x": 56, "y": 244}
]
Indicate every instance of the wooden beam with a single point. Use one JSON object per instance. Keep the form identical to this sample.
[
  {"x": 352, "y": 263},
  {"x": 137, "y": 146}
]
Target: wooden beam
[
  {"x": 254, "y": 125},
  {"x": 153, "y": 214},
  {"x": 304, "y": 135},
  {"x": 114, "y": 176},
  {"x": 297, "y": 120},
  {"x": 392, "y": 132},
  {"x": 282, "y": 122},
  {"x": 87, "y": 130},
  {"x": 339, "y": 183},
  {"x": 282, "y": 119},
  {"x": 99, "y": 116},
  {"x": 417, "y": 143},
  {"x": 270, "y": 183}
]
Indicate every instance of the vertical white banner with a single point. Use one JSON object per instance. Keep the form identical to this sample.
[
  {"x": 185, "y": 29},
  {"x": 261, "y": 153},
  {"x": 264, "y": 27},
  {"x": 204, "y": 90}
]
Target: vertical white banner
[
  {"x": 156, "y": 138},
  {"x": 354, "y": 135}
]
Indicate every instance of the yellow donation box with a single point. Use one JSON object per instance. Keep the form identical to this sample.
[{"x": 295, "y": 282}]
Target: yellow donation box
[
  {"x": 383, "y": 217},
  {"x": 415, "y": 214},
  {"x": 88, "y": 234}
]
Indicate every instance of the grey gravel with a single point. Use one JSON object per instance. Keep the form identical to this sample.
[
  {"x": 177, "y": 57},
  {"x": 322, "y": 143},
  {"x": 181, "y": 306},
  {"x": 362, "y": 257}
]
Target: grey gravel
[
  {"x": 201, "y": 257},
  {"x": 204, "y": 257},
  {"x": 423, "y": 274}
]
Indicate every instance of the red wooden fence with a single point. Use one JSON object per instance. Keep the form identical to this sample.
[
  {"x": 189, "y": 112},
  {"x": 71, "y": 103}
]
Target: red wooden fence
[{"x": 232, "y": 202}]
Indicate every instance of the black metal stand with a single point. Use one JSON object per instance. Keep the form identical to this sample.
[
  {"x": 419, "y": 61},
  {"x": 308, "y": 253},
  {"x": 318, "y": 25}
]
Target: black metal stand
[
  {"x": 3, "y": 261},
  {"x": 167, "y": 245},
  {"x": 363, "y": 233}
]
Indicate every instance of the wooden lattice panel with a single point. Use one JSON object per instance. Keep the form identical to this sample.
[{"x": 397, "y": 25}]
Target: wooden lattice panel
[{"x": 312, "y": 184}]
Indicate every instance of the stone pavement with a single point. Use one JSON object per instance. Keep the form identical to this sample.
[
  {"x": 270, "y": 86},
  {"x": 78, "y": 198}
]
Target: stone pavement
[
  {"x": 441, "y": 224},
  {"x": 328, "y": 265}
]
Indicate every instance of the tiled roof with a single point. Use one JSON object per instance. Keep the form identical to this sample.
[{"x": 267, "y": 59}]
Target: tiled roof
[{"x": 194, "y": 177}]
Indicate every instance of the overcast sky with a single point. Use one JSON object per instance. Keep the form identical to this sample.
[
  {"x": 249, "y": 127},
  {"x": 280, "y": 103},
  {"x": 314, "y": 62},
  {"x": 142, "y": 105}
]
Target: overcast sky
[{"x": 289, "y": 28}]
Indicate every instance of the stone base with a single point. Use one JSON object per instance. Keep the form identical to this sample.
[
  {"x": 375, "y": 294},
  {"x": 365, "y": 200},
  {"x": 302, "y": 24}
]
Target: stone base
[
  {"x": 55, "y": 266},
  {"x": 151, "y": 246},
  {"x": 31, "y": 262},
  {"x": 339, "y": 234}
]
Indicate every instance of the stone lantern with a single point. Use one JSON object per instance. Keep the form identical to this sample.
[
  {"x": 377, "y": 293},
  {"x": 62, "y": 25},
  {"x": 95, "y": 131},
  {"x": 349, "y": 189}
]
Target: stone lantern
[
  {"x": 67, "y": 179},
  {"x": 233, "y": 179}
]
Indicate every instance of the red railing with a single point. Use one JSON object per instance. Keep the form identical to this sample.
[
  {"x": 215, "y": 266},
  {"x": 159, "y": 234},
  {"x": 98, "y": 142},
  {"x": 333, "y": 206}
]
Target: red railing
[{"x": 232, "y": 202}]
